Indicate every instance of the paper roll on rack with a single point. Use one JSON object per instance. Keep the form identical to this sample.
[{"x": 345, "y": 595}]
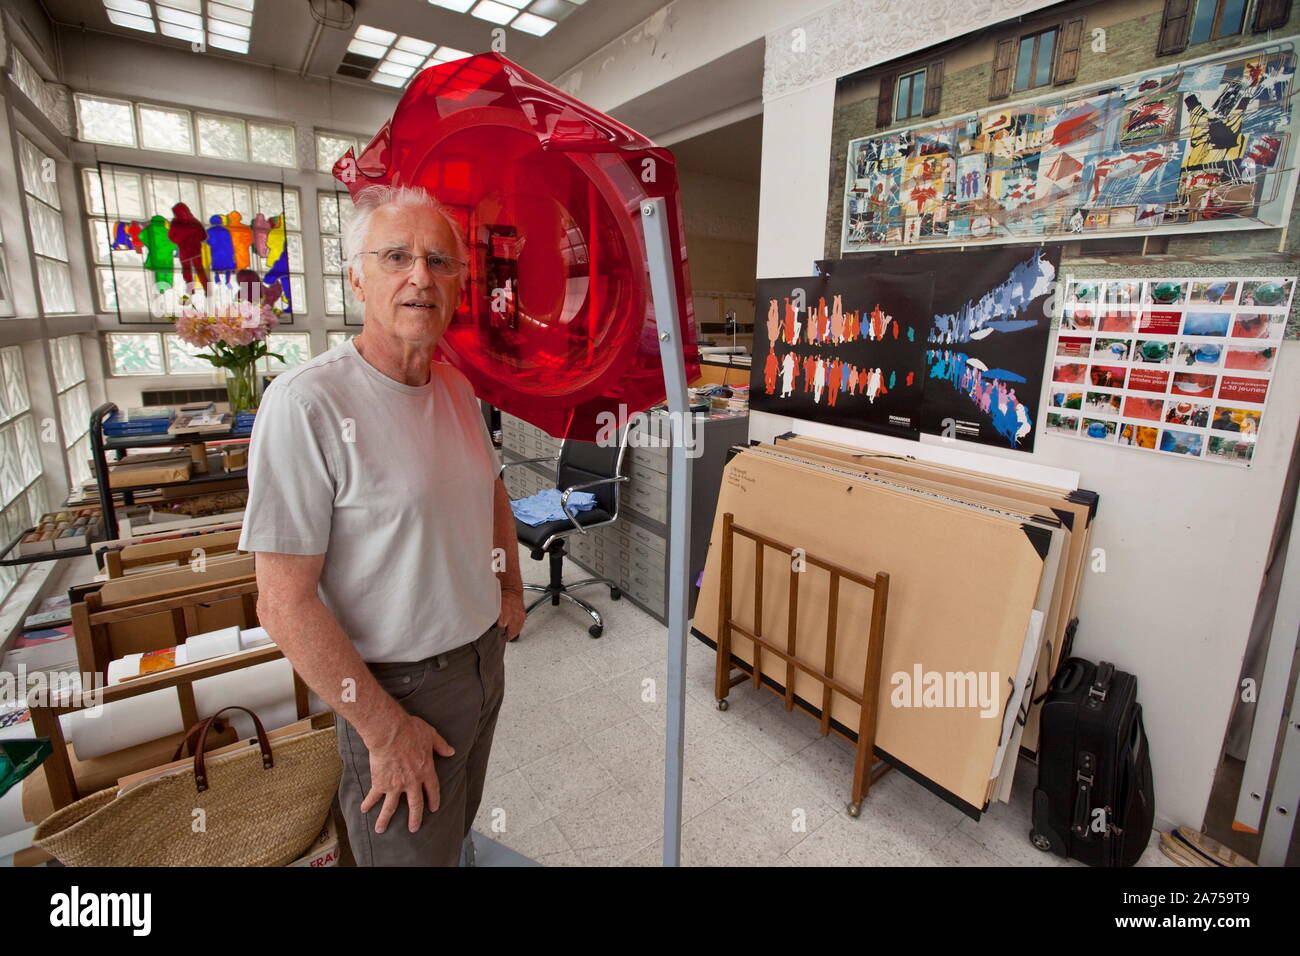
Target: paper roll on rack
[
  {"x": 200, "y": 647},
  {"x": 266, "y": 689}
]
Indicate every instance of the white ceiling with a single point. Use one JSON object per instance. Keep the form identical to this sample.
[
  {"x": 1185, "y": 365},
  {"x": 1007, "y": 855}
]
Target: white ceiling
[{"x": 283, "y": 31}]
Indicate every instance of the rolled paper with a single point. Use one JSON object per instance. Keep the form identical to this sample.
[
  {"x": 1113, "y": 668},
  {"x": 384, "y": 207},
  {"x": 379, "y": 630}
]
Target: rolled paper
[
  {"x": 225, "y": 640},
  {"x": 124, "y": 668},
  {"x": 254, "y": 637},
  {"x": 123, "y": 723},
  {"x": 266, "y": 689}
]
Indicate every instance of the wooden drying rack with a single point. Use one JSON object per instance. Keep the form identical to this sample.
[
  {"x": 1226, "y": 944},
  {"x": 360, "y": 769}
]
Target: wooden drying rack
[{"x": 867, "y": 700}]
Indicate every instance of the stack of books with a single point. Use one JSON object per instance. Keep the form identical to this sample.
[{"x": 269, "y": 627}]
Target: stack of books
[
  {"x": 145, "y": 420},
  {"x": 199, "y": 423},
  {"x": 244, "y": 421}
]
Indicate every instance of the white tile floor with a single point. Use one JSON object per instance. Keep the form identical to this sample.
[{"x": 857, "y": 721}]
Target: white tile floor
[{"x": 576, "y": 776}]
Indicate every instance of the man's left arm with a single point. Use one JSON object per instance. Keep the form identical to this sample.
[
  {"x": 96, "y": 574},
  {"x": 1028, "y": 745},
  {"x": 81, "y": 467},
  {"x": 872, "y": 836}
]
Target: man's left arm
[{"x": 512, "y": 585}]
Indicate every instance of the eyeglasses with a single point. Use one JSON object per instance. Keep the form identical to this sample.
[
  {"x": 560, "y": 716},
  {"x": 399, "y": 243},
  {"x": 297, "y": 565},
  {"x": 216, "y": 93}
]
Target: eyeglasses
[{"x": 399, "y": 260}]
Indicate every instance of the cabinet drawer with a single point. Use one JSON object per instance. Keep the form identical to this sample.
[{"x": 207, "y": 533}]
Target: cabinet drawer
[
  {"x": 652, "y": 506},
  {"x": 646, "y": 537},
  {"x": 656, "y": 459},
  {"x": 645, "y": 476},
  {"x": 649, "y": 570},
  {"x": 644, "y": 590}
]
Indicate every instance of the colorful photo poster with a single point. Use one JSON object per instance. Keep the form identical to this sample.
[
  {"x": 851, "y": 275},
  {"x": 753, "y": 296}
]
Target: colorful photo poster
[
  {"x": 1172, "y": 366},
  {"x": 985, "y": 339},
  {"x": 847, "y": 350}
]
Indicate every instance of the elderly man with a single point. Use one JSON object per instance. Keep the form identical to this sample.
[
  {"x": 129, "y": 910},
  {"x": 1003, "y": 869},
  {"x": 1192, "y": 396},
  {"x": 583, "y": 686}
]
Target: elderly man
[{"x": 387, "y": 563}]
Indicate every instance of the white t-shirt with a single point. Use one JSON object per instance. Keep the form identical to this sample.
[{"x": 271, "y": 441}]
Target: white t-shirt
[{"x": 394, "y": 484}]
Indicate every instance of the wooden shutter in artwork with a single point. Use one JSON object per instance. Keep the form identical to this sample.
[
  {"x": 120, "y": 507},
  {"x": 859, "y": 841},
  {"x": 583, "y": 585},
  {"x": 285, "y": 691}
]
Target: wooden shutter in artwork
[
  {"x": 885, "y": 104},
  {"x": 933, "y": 87},
  {"x": 1174, "y": 27},
  {"x": 1271, "y": 14},
  {"x": 1003, "y": 61},
  {"x": 1067, "y": 52}
]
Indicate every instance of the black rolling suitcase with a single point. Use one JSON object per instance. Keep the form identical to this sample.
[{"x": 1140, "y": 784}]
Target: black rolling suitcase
[{"x": 1094, "y": 801}]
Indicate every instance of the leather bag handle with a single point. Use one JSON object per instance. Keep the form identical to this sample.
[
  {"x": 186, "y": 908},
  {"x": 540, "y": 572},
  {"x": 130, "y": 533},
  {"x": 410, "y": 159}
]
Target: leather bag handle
[{"x": 200, "y": 769}]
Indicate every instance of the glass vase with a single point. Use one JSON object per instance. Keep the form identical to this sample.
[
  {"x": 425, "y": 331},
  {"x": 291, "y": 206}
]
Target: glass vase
[{"x": 243, "y": 386}]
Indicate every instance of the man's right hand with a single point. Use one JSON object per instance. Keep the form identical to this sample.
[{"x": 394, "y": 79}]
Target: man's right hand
[{"x": 403, "y": 764}]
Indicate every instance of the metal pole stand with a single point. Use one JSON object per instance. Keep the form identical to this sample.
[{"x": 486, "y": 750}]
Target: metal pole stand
[{"x": 663, "y": 289}]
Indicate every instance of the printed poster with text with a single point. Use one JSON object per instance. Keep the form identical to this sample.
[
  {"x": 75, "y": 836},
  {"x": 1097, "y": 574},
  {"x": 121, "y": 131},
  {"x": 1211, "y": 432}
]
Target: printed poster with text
[{"x": 1172, "y": 366}]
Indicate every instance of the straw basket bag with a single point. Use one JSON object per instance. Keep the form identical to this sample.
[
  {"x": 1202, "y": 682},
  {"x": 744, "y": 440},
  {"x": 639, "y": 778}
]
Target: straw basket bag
[{"x": 259, "y": 808}]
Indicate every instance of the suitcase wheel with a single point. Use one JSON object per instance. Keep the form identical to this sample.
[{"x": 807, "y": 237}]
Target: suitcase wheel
[{"x": 1039, "y": 841}]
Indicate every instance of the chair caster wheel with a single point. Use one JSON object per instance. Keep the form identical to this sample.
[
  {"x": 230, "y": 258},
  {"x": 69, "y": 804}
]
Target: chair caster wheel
[
  {"x": 615, "y": 594},
  {"x": 854, "y": 810},
  {"x": 595, "y": 630},
  {"x": 723, "y": 704},
  {"x": 1040, "y": 842}
]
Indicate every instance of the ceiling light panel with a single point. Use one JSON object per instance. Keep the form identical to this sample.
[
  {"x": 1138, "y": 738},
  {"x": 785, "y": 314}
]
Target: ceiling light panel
[
  {"x": 552, "y": 9},
  {"x": 366, "y": 48},
  {"x": 234, "y": 30},
  {"x": 494, "y": 12},
  {"x": 223, "y": 11},
  {"x": 134, "y": 7},
  {"x": 459, "y": 6},
  {"x": 406, "y": 59},
  {"x": 229, "y": 22},
  {"x": 178, "y": 32},
  {"x": 130, "y": 21},
  {"x": 375, "y": 35},
  {"x": 181, "y": 18},
  {"x": 227, "y": 43},
  {"x": 412, "y": 45},
  {"x": 531, "y": 23},
  {"x": 446, "y": 54}
]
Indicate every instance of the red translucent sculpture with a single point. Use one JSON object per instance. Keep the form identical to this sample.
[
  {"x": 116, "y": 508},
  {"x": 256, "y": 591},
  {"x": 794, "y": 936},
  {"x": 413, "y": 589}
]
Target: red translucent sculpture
[{"x": 557, "y": 324}]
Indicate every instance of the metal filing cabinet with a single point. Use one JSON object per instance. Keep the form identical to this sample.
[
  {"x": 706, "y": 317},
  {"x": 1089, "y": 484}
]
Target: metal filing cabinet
[{"x": 634, "y": 550}]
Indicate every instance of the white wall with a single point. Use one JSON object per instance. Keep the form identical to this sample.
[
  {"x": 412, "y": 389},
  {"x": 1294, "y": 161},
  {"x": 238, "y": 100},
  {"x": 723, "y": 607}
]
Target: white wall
[{"x": 1185, "y": 542}]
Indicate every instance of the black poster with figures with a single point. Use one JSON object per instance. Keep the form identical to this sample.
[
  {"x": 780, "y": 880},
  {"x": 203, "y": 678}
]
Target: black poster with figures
[
  {"x": 984, "y": 341},
  {"x": 846, "y": 350}
]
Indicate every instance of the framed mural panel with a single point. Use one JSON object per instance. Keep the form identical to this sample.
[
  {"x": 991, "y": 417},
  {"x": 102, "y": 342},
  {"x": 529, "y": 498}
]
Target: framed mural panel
[{"x": 1196, "y": 146}]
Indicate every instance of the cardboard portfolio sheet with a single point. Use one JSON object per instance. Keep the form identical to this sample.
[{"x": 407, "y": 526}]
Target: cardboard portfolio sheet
[
  {"x": 1075, "y": 508},
  {"x": 1048, "y": 603},
  {"x": 963, "y": 583}
]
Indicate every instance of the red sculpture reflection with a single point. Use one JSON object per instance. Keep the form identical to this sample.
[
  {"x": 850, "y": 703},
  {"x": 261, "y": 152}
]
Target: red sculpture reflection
[{"x": 557, "y": 323}]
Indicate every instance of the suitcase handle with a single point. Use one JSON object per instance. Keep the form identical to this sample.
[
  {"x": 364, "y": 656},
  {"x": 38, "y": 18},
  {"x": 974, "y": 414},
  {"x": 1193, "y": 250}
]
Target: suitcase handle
[
  {"x": 1069, "y": 676},
  {"x": 1100, "y": 685}
]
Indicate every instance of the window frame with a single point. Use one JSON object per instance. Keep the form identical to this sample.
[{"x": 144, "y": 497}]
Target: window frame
[
  {"x": 1036, "y": 36},
  {"x": 911, "y": 94},
  {"x": 29, "y": 502},
  {"x": 1216, "y": 22},
  {"x": 193, "y": 116},
  {"x": 39, "y": 257}
]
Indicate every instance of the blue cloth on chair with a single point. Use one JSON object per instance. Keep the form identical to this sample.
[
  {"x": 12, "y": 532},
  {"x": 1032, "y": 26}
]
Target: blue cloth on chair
[{"x": 545, "y": 506}]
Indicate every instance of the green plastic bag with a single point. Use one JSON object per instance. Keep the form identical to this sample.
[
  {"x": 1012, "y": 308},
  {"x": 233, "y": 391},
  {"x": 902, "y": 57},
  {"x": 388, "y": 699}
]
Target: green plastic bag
[{"x": 18, "y": 758}]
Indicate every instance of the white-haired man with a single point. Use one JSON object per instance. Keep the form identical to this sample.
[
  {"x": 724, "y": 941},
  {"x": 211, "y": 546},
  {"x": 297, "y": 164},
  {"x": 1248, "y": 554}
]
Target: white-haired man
[{"x": 387, "y": 563}]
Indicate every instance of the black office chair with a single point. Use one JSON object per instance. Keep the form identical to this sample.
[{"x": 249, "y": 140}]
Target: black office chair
[{"x": 580, "y": 466}]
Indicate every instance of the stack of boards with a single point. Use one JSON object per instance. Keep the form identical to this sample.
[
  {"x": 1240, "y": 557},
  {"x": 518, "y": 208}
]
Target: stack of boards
[{"x": 984, "y": 575}]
